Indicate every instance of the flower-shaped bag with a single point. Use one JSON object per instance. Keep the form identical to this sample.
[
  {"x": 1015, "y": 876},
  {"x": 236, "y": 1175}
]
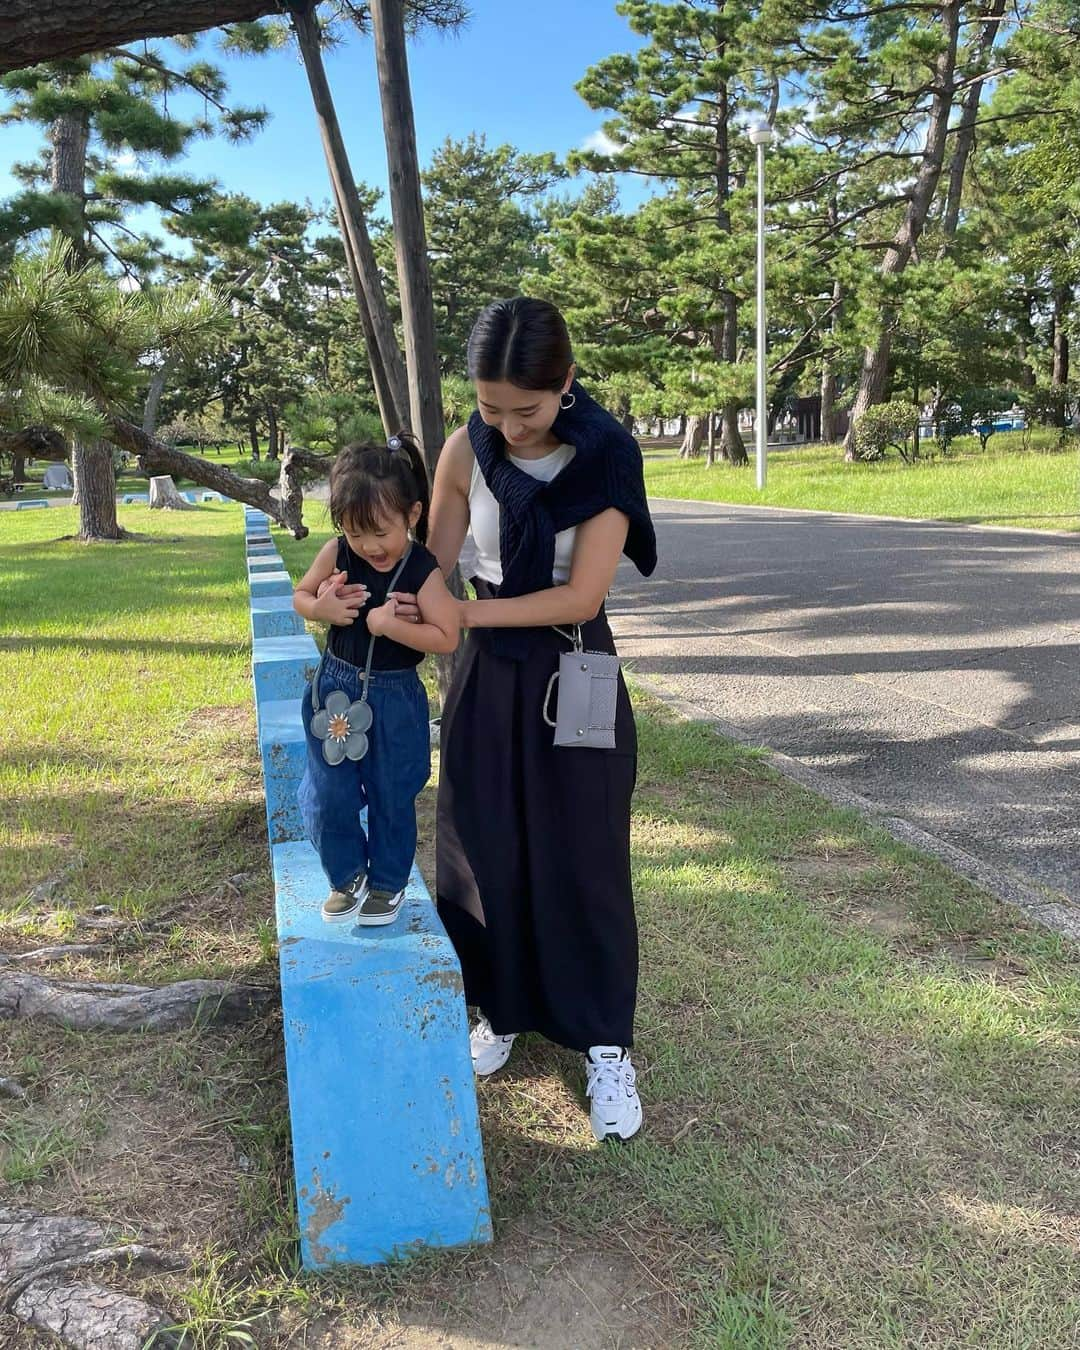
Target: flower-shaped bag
[{"x": 342, "y": 723}]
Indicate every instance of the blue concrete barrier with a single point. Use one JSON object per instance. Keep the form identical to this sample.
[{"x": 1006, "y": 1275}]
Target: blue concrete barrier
[
  {"x": 385, "y": 1131},
  {"x": 271, "y": 583},
  {"x": 389, "y": 1160},
  {"x": 262, "y": 565},
  {"x": 29, "y": 505},
  {"x": 274, "y": 616},
  {"x": 283, "y": 747},
  {"x": 282, "y": 666},
  {"x": 262, "y": 551},
  {"x": 212, "y": 497}
]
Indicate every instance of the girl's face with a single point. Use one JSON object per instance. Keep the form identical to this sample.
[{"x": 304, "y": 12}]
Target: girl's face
[
  {"x": 524, "y": 416},
  {"x": 384, "y": 546}
]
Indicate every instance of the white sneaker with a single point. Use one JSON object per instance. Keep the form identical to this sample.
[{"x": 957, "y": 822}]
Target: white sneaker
[
  {"x": 615, "y": 1110},
  {"x": 489, "y": 1052}
]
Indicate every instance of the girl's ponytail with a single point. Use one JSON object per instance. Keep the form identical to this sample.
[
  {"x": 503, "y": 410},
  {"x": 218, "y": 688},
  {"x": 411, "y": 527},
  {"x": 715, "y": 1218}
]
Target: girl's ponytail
[{"x": 404, "y": 444}]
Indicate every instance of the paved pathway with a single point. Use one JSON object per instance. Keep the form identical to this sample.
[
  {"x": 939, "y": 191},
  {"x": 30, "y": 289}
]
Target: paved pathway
[{"x": 933, "y": 669}]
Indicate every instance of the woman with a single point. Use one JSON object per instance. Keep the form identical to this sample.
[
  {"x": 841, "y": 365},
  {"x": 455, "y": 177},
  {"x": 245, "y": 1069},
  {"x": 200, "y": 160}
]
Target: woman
[{"x": 533, "y": 870}]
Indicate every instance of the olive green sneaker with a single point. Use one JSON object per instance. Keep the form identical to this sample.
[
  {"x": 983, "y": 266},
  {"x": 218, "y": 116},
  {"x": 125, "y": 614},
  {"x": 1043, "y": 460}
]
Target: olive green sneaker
[
  {"x": 378, "y": 907},
  {"x": 341, "y": 906}
]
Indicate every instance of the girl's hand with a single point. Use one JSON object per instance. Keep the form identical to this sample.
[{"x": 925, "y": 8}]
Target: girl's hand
[
  {"x": 330, "y": 607},
  {"x": 338, "y": 583},
  {"x": 379, "y": 617}
]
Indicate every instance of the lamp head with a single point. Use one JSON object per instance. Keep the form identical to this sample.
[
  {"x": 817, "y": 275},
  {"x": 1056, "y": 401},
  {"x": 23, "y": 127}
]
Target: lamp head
[{"x": 760, "y": 133}]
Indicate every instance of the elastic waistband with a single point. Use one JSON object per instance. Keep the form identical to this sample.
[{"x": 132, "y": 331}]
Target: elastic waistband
[{"x": 336, "y": 668}]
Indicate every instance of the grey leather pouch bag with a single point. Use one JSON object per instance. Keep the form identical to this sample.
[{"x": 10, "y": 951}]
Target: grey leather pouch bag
[{"x": 588, "y": 685}]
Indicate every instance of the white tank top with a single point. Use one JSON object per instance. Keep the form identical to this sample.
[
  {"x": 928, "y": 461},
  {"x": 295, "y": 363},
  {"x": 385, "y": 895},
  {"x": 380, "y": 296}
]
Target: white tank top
[{"x": 480, "y": 555}]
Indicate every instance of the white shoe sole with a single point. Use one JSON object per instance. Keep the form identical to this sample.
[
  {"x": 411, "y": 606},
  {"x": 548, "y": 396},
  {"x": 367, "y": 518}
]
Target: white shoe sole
[
  {"x": 619, "y": 1129},
  {"x": 349, "y": 914},
  {"x": 379, "y": 920},
  {"x": 493, "y": 1068}
]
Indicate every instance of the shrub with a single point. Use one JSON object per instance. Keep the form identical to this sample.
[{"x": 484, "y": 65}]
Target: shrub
[{"x": 885, "y": 424}]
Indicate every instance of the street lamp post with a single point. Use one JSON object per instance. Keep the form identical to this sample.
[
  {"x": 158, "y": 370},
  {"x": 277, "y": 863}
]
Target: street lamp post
[{"x": 761, "y": 135}]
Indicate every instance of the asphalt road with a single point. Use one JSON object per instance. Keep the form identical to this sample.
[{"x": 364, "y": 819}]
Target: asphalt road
[{"x": 933, "y": 669}]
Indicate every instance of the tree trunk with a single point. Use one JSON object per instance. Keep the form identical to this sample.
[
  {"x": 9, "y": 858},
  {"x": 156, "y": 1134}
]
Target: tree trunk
[
  {"x": 1059, "y": 374},
  {"x": 1026, "y": 342},
  {"x": 164, "y": 496},
  {"x": 692, "y": 436},
  {"x": 18, "y": 469},
  {"x": 156, "y": 458},
  {"x": 253, "y": 434},
  {"x": 47, "y": 30},
  {"x": 963, "y": 133},
  {"x": 732, "y": 446},
  {"x": 95, "y": 485},
  {"x": 154, "y": 393},
  {"x": 710, "y": 453},
  {"x": 410, "y": 242},
  {"x": 273, "y": 444},
  {"x": 69, "y": 135},
  {"x": 387, "y": 370},
  {"x": 875, "y": 365}
]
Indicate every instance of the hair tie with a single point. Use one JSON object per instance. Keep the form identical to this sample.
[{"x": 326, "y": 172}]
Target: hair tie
[{"x": 394, "y": 444}]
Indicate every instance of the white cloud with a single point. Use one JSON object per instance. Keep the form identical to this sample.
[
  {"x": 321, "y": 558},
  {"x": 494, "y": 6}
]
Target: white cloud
[{"x": 601, "y": 143}]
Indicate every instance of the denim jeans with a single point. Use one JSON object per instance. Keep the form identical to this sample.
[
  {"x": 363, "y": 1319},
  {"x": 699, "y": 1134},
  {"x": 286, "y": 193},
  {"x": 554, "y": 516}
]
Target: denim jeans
[{"x": 387, "y": 780}]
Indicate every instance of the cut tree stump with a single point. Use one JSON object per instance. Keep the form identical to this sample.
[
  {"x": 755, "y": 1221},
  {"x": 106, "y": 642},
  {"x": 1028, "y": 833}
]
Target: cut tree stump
[
  {"x": 39, "y": 1254},
  {"x": 164, "y": 496},
  {"x": 87, "y": 1006}
]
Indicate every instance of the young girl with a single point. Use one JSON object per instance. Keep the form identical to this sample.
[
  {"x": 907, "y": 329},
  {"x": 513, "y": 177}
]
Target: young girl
[{"x": 368, "y": 722}]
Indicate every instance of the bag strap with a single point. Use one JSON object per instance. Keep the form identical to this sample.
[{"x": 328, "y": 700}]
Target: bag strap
[{"x": 371, "y": 644}]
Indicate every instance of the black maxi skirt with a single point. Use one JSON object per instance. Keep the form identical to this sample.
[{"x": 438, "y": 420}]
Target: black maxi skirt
[{"x": 533, "y": 853}]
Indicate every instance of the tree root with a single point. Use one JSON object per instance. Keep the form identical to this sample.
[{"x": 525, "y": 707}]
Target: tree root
[
  {"x": 38, "y": 1255},
  {"x": 86, "y": 1006}
]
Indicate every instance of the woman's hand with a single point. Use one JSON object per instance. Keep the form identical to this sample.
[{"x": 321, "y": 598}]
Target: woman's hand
[
  {"x": 407, "y": 608},
  {"x": 339, "y": 583}
]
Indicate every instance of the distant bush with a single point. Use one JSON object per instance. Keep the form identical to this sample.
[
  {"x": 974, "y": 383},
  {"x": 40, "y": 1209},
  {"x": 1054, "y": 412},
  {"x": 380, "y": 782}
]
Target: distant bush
[{"x": 885, "y": 424}]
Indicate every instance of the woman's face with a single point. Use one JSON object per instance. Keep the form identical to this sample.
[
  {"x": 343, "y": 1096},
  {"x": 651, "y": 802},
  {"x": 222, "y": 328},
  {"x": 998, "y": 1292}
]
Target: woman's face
[{"x": 524, "y": 416}]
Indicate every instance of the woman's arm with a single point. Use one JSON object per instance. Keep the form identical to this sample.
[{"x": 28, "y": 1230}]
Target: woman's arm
[
  {"x": 598, "y": 546},
  {"x": 438, "y": 628},
  {"x": 449, "y": 518}
]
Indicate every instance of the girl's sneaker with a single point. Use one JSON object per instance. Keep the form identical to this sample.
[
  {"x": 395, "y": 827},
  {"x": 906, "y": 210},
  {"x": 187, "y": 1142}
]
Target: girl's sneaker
[
  {"x": 615, "y": 1110},
  {"x": 379, "y": 907},
  {"x": 489, "y": 1051},
  {"x": 340, "y": 906}
]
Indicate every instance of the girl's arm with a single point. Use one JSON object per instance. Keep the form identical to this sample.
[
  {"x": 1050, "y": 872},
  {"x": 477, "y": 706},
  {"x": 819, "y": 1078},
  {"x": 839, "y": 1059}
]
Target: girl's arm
[
  {"x": 598, "y": 546},
  {"x": 331, "y": 607},
  {"x": 439, "y": 625},
  {"x": 449, "y": 517}
]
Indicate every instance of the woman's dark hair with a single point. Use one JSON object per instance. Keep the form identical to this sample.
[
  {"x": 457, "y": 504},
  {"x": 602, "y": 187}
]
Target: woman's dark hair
[
  {"x": 522, "y": 341},
  {"x": 370, "y": 482}
]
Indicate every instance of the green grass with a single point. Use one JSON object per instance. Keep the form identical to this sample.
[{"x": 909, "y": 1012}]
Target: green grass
[
  {"x": 858, "y": 1072},
  {"x": 1006, "y": 485}
]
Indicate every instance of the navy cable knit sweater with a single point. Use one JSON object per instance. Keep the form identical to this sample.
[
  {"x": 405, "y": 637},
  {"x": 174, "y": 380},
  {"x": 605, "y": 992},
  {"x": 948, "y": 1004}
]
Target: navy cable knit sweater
[{"x": 606, "y": 471}]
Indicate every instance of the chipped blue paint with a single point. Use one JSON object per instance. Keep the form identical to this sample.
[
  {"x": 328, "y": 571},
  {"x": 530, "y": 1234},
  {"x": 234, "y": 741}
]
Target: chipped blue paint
[
  {"x": 386, "y": 1136},
  {"x": 283, "y": 749},
  {"x": 282, "y": 666}
]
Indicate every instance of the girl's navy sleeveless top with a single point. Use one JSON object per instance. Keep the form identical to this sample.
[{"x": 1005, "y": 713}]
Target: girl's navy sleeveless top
[{"x": 350, "y": 641}]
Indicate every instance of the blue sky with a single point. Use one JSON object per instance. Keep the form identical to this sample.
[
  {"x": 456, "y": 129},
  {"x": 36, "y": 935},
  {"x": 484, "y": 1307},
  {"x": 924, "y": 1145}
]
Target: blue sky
[{"x": 509, "y": 74}]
